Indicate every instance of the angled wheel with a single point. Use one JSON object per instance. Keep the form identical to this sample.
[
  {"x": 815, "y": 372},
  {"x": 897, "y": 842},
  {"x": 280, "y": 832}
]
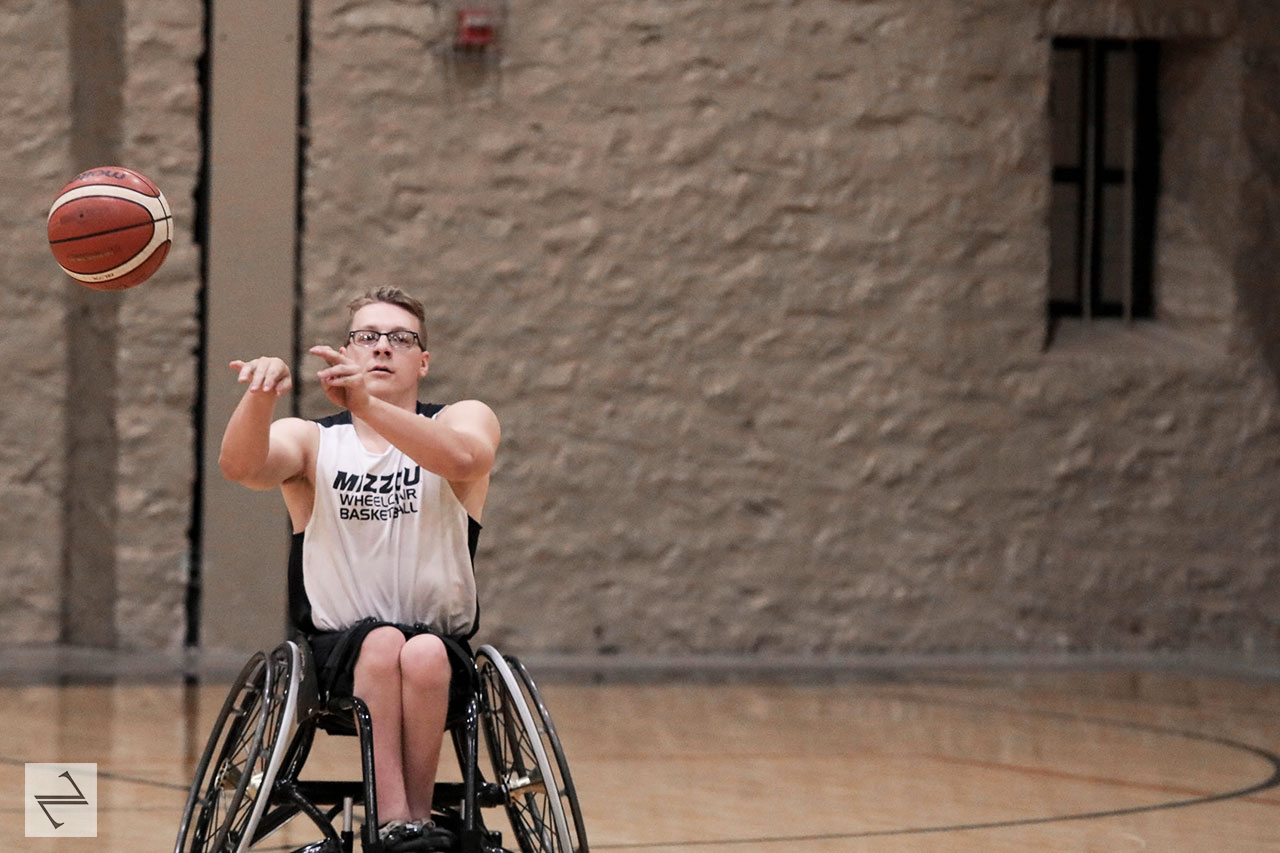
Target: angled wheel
[
  {"x": 551, "y": 744},
  {"x": 234, "y": 777},
  {"x": 520, "y": 763}
]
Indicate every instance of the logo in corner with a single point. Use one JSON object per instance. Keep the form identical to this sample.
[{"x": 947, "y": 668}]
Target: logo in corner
[{"x": 61, "y": 800}]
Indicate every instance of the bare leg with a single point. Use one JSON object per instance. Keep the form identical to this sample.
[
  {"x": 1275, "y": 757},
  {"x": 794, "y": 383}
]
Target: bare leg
[
  {"x": 377, "y": 682},
  {"x": 425, "y": 671}
]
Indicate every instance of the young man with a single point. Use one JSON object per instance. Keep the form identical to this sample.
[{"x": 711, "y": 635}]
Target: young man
[{"x": 385, "y": 499}]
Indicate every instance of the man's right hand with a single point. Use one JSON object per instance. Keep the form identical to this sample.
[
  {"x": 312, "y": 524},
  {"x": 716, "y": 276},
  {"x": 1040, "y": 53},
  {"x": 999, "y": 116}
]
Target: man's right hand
[
  {"x": 260, "y": 452},
  {"x": 265, "y": 374}
]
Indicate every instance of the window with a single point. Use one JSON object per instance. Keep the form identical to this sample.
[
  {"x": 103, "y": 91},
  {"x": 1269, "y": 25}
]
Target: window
[{"x": 1105, "y": 175}]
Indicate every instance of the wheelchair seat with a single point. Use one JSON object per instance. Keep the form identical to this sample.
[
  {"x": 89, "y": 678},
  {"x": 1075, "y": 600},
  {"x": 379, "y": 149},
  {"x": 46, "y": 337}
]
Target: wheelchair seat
[{"x": 247, "y": 784}]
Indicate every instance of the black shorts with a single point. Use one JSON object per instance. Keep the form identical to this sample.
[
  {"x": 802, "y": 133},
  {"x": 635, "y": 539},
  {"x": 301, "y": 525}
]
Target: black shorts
[{"x": 335, "y": 654}]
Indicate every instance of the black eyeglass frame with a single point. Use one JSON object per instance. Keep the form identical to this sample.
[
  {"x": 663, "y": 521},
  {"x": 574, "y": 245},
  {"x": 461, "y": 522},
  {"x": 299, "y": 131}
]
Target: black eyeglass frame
[{"x": 391, "y": 341}]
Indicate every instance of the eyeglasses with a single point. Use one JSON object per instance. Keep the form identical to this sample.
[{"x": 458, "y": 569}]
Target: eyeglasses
[{"x": 399, "y": 339}]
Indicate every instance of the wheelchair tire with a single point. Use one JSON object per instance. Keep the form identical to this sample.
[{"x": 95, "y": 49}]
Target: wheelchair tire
[
  {"x": 534, "y": 803},
  {"x": 233, "y": 780},
  {"x": 547, "y": 729}
]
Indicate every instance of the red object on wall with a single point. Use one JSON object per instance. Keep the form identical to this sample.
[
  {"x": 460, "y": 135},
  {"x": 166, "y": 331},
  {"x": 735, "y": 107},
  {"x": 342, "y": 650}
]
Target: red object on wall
[{"x": 477, "y": 29}]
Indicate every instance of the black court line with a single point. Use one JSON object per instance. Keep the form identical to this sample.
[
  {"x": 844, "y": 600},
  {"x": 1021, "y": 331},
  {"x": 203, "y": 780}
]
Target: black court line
[
  {"x": 1270, "y": 782},
  {"x": 108, "y": 775},
  {"x": 150, "y": 783}
]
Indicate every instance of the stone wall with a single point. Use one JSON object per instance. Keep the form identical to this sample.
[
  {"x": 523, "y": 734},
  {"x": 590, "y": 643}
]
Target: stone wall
[
  {"x": 159, "y": 331},
  {"x": 758, "y": 296},
  {"x": 136, "y": 351},
  {"x": 1259, "y": 256},
  {"x": 34, "y": 100},
  {"x": 757, "y": 291}
]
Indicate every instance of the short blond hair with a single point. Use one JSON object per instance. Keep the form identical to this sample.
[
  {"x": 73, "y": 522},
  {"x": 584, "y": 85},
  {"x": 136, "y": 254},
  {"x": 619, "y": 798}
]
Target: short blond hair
[{"x": 392, "y": 296}]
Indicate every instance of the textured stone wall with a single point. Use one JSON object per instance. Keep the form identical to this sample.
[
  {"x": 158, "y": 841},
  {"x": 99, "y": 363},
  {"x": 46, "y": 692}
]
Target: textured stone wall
[
  {"x": 158, "y": 331},
  {"x": 757, "y": 292},
  {"x": 34, "y": 100},
  {"x": 155, "y": 336},
  {"x": 1260, "y": 251}
]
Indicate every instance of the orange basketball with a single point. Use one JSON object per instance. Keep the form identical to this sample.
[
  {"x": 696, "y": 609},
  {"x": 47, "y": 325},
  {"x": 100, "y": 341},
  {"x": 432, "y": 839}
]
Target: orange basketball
[{"x": 110, "y": 228}]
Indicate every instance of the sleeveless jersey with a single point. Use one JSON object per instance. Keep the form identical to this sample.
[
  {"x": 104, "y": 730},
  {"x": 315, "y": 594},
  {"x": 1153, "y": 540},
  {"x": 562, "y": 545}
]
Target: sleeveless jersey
[{"x": 387, "y": 539}]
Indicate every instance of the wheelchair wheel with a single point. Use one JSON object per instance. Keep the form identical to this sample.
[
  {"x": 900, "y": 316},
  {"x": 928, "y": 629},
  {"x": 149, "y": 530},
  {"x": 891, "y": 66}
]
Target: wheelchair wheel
[
  {"x": 533, "y": 801},
  {"x": 560, "y": 767},
  {"x": 233, "y": 780}
]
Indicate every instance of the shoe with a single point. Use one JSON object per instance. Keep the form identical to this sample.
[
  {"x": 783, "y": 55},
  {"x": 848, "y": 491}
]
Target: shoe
[
  {"x": 418, "y": 836},
  {"x": 438, "y": 839},
  {"x": 395, "y": 834}
]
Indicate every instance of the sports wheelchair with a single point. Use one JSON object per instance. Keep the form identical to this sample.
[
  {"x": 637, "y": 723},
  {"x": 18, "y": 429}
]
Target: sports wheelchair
[{"x": 247, "y": 783}]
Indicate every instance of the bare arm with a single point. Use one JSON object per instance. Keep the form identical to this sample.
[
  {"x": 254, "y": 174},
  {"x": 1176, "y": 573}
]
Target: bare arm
[
  {"x": 458, "y": 445},
  {"x": 256, "y": 451}
]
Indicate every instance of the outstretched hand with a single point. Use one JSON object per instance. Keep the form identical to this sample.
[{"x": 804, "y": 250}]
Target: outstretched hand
[
  {"x": 343, "y": 380},
  {"x": 265, "y": 374}
]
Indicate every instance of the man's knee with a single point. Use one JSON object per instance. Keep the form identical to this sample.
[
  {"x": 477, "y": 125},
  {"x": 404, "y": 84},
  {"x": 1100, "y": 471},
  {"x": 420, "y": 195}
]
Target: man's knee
[
  {"x": 381, "y": 649},
  {"x": 424, "y": 662}
]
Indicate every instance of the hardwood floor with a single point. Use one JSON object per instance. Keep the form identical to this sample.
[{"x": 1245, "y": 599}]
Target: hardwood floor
[{"x": 936, "y": 761}]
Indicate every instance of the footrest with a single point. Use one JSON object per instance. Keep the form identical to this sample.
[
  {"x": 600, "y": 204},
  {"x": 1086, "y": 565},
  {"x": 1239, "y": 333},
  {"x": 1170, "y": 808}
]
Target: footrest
[
  {"x": 450, "y": 794},
  {"x": 326, "y": 793}
]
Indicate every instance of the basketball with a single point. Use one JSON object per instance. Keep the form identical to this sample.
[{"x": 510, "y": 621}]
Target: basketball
[{"x": 110, "y": 228}]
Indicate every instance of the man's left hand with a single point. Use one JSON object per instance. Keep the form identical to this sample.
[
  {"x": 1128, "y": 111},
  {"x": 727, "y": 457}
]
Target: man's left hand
[{"x": 343, "y": 380}]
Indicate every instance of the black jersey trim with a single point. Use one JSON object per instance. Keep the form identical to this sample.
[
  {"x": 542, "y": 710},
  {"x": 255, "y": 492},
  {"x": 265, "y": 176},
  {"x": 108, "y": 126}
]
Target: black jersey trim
[
  {"x": 339, "y": 419},
  {"x": 299, "y": 604}
]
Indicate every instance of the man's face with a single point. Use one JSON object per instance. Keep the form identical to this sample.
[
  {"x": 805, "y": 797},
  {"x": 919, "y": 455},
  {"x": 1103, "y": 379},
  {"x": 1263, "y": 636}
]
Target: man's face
[{"x": 388, "y": 365}]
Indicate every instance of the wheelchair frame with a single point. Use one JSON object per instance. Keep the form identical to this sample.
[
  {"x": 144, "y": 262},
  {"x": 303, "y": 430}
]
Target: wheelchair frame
[{"x": 247, "y": 783}]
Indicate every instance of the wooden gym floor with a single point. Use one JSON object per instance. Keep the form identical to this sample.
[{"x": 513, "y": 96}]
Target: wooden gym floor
[{"x": 988, "y": 760}]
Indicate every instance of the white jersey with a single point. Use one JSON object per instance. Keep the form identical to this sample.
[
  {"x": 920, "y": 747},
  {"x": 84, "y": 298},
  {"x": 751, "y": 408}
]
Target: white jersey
[{"x": 387, "y": 539}]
